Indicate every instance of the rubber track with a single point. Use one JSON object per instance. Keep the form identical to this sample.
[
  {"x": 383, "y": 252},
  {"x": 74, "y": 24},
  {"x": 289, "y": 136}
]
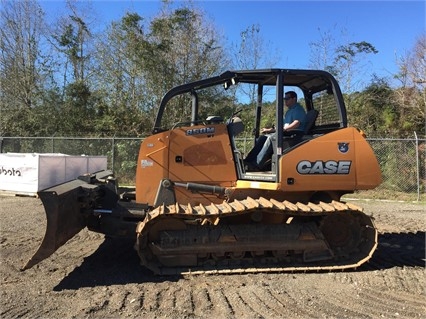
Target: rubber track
[{"x": 213, "y": 212}]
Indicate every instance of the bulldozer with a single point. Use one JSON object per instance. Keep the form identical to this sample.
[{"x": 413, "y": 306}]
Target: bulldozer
[{"x": 197, "y": 209}]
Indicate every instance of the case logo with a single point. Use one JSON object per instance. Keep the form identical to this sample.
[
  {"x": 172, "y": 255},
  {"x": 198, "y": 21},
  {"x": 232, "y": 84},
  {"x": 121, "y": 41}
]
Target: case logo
[
  {"x": 343, "y": 147},
  {"x": 321, "y": 167}
]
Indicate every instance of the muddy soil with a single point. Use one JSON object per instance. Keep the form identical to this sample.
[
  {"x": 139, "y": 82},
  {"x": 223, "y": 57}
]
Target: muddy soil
[{"x": 94, "y": 277}]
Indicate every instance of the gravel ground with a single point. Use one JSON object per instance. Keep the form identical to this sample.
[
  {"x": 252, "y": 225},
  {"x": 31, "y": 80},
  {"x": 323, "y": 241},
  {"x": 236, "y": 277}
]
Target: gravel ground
[{"x": 94, "y": 277}]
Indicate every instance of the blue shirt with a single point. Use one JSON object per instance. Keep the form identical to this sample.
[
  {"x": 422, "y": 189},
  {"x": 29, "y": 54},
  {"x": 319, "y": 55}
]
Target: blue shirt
[{"x": 296, "y": 112}]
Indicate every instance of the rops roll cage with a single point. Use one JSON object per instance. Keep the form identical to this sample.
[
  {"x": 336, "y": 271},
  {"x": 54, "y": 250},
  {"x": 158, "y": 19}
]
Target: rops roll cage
[{"x": 309, "y": 81}]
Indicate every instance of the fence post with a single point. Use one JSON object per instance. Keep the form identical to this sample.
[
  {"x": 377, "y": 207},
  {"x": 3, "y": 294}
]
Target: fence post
[
  {"x": 53, "y": 142},
  {"x": 113, "y": 152},
  {"x": 417, "y": 166}
]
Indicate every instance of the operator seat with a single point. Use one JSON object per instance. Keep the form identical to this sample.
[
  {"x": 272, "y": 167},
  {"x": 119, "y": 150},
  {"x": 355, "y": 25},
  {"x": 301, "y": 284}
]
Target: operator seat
[
  {"x": 236, "y": 126},
  {"x": 310, "y": 118}
]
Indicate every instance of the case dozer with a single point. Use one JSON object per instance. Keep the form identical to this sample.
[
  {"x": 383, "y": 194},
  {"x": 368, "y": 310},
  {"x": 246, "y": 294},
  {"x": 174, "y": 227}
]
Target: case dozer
[{"x": 197, "y": 209}]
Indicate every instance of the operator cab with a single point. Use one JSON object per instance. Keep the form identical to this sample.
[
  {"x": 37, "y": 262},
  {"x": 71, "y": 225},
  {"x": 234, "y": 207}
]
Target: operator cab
[{"x": 254, "y": 99}]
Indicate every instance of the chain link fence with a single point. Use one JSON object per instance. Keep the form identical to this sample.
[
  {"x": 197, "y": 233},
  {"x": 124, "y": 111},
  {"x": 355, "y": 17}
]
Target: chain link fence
[
  {"x": 402, "y": 161},
  {"x": 403, "y": 166}
]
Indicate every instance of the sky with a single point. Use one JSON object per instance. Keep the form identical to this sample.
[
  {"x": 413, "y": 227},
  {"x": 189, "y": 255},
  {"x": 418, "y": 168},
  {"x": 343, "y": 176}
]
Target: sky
[{"x": 289, "y": 27}]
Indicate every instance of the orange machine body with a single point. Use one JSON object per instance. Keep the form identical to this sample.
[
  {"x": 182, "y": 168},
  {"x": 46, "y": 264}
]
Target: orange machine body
[{"x": 340, "y": 161}]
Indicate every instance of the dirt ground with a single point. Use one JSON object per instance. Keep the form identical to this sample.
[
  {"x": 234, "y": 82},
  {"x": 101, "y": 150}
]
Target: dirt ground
[{"x": 91, "y": 277}]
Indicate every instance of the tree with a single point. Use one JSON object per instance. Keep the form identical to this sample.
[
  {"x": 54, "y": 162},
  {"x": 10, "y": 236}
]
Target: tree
[
  {"x": 411, "y": 95},
  {"x": 180, "y": 47},
  {"x": 120, "y": 77},
  {"x": 72, "y": 42},
  {"x": 21, "y": 73},
  {"x": 340, "y": 60},
  {"x": 413, "y": 65},
  {"x": 73, "y": 39},
  {"x": 26, "y": 70},
  {"x": 347, "y": 58},
  {"x": 251, "y": 52},
  {"x": 374, "y": 110},
  {"x": 323, "y": 52}
]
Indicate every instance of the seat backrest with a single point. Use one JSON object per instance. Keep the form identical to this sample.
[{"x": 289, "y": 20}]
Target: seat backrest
[
  {"x": 235, "y": 126},
  {"x": 311, "y": 117}
]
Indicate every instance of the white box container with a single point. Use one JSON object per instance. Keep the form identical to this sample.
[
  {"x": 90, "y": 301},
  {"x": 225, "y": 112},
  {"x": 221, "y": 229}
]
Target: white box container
[{"x": 28, "y": 173}]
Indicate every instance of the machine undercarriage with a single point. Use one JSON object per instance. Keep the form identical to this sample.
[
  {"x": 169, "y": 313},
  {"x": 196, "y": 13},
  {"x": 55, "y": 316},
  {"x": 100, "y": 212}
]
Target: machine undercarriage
[{"x": 255, "y": 235}]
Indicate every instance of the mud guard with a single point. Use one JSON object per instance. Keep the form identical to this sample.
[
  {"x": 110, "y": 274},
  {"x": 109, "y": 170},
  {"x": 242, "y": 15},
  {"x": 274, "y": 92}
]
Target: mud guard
[{"x": 65, "y": 206}]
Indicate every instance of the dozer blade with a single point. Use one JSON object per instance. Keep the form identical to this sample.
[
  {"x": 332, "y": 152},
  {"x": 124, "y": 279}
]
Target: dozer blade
[{"x": 63, "y": 204}]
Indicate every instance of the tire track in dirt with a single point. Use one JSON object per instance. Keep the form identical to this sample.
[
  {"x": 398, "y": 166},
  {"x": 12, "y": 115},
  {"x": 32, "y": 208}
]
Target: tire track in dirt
[
  {"x": 222, "y": 305},
  {"x": 385, "y": 293},
  {"x": 344, "y": 308},
  {"x": 167, "y": 298},
  {"x": 300, "y": 307},
  {"x": 241, "y": 308},
  {"x": 184, "y": 300},
  {"x": 396, "y": 303},
  {"x": 327, "y": 298},
  {"x": 255, "y": 299},
  {"x": 134, "y": 301},
  {"x": 16, "y": 312},
  {"x": 351, "y": 303},
  {"x": 407, "y": 279},
  {"x": 121, "y": 301},
  {"x": 150, "y": 299},
  {"x": 26, "y": 310},
  {"x": 202, "y": 302},
  {"x": 274, "y": 305}
]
